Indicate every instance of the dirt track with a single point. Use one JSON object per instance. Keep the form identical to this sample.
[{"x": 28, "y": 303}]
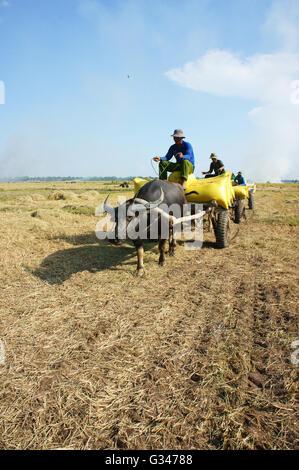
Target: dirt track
[{"x": 195, "y": 355}]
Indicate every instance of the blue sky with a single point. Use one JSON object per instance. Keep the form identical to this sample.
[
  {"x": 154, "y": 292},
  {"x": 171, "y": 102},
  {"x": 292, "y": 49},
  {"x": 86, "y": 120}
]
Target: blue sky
[{"x": 222, "y": 70}]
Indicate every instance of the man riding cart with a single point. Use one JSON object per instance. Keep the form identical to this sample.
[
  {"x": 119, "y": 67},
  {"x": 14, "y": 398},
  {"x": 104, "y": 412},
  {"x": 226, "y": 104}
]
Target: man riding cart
[
  {"x": 183, "y": 153},
  {"x": 216, "y": 166},
  {"x": 239, "y": 179}
]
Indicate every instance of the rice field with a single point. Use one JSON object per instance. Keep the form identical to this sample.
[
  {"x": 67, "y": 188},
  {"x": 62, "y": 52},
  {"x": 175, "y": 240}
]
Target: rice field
[{"x": 194, "y": 355}]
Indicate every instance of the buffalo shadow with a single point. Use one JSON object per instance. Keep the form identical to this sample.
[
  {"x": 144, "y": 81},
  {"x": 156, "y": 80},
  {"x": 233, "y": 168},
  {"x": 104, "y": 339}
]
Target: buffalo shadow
[{"x": 88, "y": 254}]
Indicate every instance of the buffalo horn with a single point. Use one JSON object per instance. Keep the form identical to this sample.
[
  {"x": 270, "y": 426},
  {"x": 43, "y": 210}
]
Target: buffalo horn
[
  {"x": 148, "y": 204},
  {"x": 107, "y": 208}
]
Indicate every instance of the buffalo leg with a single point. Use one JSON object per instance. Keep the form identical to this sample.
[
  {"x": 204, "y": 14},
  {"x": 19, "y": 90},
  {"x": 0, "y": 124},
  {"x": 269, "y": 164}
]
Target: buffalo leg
[
  {"x": 140, "y": 253},
  {"x": 172, "y": 243},
  {"x": 162, "y": 246}
]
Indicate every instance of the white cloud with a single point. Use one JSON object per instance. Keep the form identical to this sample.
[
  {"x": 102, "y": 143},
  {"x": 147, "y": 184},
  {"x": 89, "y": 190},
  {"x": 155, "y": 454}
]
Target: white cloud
[{"x": 265, "y": 77}]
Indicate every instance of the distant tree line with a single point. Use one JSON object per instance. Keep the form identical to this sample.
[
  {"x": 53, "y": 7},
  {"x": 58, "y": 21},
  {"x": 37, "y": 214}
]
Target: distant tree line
[{"x": 65, "y": 178}]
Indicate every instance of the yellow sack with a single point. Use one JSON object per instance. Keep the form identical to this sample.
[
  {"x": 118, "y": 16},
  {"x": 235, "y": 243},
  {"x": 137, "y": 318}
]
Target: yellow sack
[
  {"x": 241, "y": 191},
  {"x": 218, "y": 188},
  {"x": 175, "y": 177},
  {"x": 138, "y": 183}
]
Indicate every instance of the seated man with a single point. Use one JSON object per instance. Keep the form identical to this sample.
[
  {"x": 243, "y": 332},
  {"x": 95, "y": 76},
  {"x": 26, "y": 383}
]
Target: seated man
[
  {"x": 239, "y": 179},
  {"x": 216, "y": 166},
  {"x": 183, "y": 153}
]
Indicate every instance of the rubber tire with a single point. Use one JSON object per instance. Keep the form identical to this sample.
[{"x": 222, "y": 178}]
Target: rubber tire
[
  {"x": 222, "y": 239},
  {"x": 250, "y": 202},
  {"x": 239, "y": 209}
]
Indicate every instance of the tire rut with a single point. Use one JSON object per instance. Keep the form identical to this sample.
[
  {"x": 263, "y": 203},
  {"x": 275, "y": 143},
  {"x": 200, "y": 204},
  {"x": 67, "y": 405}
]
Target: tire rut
[{"x": 270, "y": 366}]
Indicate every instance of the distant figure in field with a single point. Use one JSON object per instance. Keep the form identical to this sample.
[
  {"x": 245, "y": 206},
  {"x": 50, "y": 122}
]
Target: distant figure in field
[
  {"x": 216, "y": 166},
  {"x": 183, "y": 153},
  {"x": 239, "y": 179}
]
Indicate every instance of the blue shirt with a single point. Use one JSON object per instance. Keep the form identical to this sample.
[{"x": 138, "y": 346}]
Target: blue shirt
[
  {"x": 186, "y": 149},
  {"x": 240, "y": 180}
]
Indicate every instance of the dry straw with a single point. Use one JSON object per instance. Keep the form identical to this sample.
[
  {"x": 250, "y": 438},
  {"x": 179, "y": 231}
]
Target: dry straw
[{"x": 196, "y": 355}]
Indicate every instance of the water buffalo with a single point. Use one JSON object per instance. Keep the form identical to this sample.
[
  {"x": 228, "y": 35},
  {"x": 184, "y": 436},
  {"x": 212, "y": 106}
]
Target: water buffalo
[{"x": 153, "y": 201}]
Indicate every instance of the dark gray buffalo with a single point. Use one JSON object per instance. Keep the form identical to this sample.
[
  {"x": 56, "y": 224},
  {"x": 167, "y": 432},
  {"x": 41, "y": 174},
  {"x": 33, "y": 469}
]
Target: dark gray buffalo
[{"x": 158, "y": 203}]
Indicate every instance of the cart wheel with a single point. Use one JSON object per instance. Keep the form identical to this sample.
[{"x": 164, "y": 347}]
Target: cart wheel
[
  {"x": 250, "y": 201},
  {"x": 239, "y": 211},
  {"x": 222, "y": 231}
]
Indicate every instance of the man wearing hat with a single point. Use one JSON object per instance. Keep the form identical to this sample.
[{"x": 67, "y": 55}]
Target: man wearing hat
[
  {"x": 183, "y": 153},
  {"x": 239, "y": 179},
  {"x": 217, "y": 166}
]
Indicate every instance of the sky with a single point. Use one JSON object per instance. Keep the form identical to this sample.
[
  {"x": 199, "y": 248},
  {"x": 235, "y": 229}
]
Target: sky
[{"x": 97, "y": 87}]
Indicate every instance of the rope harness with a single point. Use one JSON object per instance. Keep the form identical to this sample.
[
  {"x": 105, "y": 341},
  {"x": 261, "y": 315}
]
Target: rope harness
[{"x": 162, "y": 172}]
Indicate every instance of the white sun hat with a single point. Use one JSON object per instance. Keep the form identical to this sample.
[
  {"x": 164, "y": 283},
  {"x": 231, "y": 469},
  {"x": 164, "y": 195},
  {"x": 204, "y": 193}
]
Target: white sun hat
[{"x": 178, "y": 133}]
